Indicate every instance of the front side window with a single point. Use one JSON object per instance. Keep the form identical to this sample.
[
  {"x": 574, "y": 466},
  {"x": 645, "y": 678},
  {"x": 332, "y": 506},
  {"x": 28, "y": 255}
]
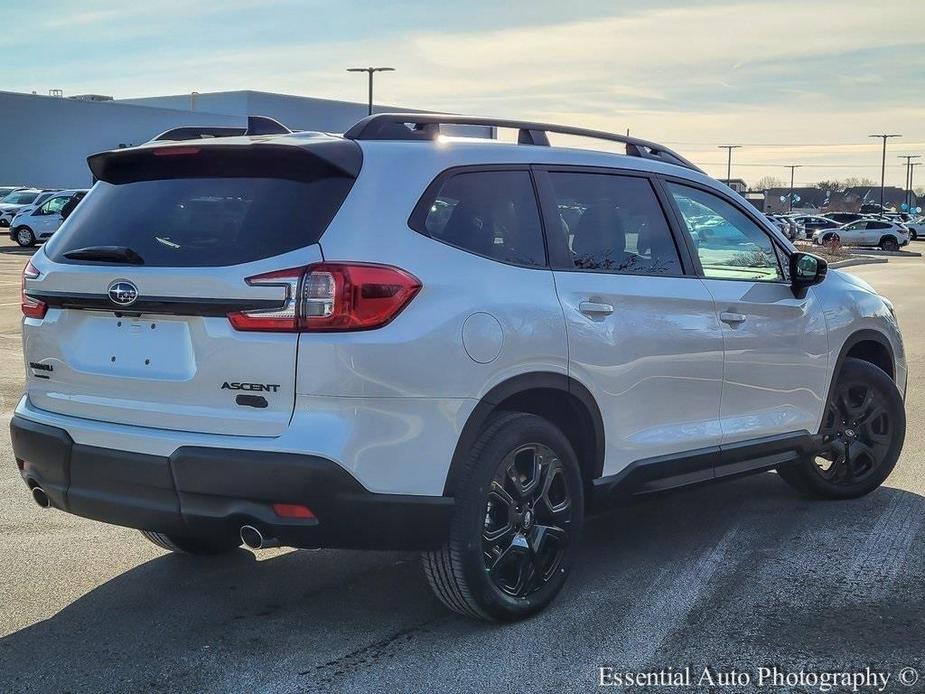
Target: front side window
[
  {"x": 54, "y": 205},
  {"x": 729, "y": 244},
  {"x": 489, "y": 213},
  {"x": 614, "y": 224}
]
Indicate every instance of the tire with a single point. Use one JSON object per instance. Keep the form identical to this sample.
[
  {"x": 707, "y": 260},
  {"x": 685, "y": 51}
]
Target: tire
[
  {"x": 913, "y": 235},
  {"x": 24, "y": 237},
  {"x": 513, "y": 536},
  {"x": 889, "y": 243},
  {"x": 865, "y": 419},
  {"x": 203, "y": 546}
]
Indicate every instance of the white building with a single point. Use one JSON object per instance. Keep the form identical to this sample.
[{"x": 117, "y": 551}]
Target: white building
[{"x": 45, "y": 140}]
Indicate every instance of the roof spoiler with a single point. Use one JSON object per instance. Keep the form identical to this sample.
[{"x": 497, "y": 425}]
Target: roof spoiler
[
  {"x": 256, "y": 125},
  {"x": 426, "y": 126}
]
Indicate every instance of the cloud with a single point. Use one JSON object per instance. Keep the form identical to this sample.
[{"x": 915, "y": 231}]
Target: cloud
[{"x": 705, "y": 72}]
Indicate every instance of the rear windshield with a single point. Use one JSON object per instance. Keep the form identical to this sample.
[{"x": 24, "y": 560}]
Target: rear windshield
[{"x": 203, "y": 222}]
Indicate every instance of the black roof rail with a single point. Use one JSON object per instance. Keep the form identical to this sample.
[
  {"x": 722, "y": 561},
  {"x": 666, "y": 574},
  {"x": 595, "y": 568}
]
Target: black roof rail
[
  {"x": 426, "y": 126},
  {"x": 256, "y": 125}
]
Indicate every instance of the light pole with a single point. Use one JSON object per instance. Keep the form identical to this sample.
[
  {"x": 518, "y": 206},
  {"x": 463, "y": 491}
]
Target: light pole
[
  {"x": 911, "y": 172},
  {"x": 729, "y": 149},
  {"x": 370, "y": 71},
  {"x": 884, "y": 137},
  {"x": 792, "y": 167},
  {"x": 908, "y": 158}
]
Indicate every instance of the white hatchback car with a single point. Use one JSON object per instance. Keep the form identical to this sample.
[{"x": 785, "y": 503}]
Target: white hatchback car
[
  {"x": 392, "y": 339},
  {"x": 888, "y": 235}
]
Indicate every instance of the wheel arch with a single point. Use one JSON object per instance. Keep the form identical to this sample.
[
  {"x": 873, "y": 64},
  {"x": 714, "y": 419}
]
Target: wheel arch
[
  {"x": 870, "y": 346},
  {"x": 556, "y": 397}
]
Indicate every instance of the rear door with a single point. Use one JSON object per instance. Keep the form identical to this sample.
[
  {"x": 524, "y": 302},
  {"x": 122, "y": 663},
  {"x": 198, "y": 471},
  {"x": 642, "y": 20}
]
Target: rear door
[
  {"x": 643, "y": 335},
  {"x": 140, "y": 281}
]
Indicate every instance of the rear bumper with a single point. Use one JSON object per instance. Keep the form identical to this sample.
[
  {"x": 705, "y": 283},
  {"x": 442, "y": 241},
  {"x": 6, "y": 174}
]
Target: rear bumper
[{"x": 198, "y": 491}]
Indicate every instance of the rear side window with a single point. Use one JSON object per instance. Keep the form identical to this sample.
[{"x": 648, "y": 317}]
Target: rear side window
[
  {"x": 203, "y": 222},
  {"x": 614, "y": 224},
  {"x": 489, "y": 213}
]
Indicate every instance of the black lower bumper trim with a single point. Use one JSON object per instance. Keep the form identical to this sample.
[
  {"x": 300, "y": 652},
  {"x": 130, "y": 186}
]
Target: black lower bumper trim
[{"x": 200, "y": 491}]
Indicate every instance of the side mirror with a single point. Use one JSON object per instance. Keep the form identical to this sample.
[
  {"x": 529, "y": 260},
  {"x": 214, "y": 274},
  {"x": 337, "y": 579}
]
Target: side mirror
[{"x": 806, "y": 270}]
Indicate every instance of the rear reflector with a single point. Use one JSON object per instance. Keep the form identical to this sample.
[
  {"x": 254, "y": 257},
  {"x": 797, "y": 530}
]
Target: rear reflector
[
  {"x": 293, "y": 511},
  {"x": 31, "y": 308},
  {"x": 331, "y": 297}
]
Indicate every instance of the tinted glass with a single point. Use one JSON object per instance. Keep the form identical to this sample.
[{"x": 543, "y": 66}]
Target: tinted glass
[
  {"x": 729, "y": 244},
  {"x": 189, "y": 222},
  {"x": 491, "y": 213},
  {"x": 878, "y": 225},
  {"x": 614, "y": 224}
]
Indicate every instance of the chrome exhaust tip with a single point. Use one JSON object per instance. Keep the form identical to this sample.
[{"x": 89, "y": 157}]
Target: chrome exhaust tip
[
  {"x": 254, "y": 539},
  {"x": 40, "y": 497}
]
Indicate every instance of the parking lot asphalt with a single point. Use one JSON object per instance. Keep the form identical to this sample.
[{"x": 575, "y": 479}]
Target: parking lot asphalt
[{"x": 732, "y": 576}]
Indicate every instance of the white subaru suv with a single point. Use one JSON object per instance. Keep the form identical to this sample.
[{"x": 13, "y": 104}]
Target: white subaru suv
[{"x": 396, "y": 339}]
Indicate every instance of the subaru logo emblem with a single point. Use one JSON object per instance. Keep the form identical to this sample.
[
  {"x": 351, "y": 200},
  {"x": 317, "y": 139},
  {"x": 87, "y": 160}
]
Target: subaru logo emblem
[{"x": 122, "y": 293}]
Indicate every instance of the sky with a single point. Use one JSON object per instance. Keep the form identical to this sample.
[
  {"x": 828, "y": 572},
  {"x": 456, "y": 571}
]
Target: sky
[{"x": 791, "y": 81}]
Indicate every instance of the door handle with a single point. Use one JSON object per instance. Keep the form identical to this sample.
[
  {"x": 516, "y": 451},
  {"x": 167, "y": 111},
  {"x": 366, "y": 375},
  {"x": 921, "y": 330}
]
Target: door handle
[
  {"x": 732, "y": 318},
  {"x": 592, "y": 308}
]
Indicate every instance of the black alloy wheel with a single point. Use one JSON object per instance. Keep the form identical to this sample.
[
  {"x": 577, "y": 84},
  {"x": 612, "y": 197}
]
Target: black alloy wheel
[
  {"x": 860, "y": 439},
  {"x": 856, "y": 430},
  {"x": 517, "y": 522},
  {"x": 529, "y": 511}
]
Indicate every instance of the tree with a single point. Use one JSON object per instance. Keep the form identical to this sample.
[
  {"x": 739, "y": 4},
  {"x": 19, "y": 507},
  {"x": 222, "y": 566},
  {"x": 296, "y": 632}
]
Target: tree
[
  {"x": 864, "y": 182},
  {"x": 830, "y": 186},
  {"x": 766, "y": 182}
]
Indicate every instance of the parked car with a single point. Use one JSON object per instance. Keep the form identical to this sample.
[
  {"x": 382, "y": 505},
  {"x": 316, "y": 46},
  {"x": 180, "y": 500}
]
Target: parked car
[
  {"x": 843, "y": 218},
  {"x": 6, "y": 190},
  {"x": 16, "y": 201},
  {"x": 788, "y": 227},
  {"x": 865, "y": 232},
  {"x": 6, "y": 217},
  {"x": 916, "y": 228},
  {"x": 37, "y": 223},
  {"x": 812, "y": 223},
  {"x": 392, "y": 340}
]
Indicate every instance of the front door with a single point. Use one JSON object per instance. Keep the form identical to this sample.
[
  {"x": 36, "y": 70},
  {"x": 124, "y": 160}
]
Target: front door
[
  {"x": 643, "y": 335},
  {"x": 775, "y": 343}
]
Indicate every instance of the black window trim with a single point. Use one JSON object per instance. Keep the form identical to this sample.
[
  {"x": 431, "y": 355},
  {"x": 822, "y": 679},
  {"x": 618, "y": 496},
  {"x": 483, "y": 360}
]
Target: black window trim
[
  {"x": 751, "y": 214},
  {"x": 418, "y": 216},
  {"x": 561, "y": 261}
]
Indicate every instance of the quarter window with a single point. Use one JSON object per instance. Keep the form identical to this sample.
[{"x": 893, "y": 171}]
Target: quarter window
[
  {"x": 729, "y": 244},
  {"x": 490, "y": 213},
  {"x": 614, "y": 224}
]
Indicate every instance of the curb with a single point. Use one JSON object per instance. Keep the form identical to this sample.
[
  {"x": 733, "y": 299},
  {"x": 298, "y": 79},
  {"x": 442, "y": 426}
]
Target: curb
[
  {"x": 858, "y": 261},
  {"x": 896, "y": 254}
]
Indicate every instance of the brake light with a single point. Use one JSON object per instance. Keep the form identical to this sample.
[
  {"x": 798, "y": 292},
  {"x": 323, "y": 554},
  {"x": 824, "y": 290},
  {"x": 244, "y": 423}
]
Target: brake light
[
  {"x": 31, "y": 308},
  {"x": 174, "y": 151},
  {"x": 331, "y": 297}
]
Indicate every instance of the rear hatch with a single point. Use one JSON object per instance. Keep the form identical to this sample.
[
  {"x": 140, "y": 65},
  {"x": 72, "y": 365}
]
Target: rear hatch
[{"x": 141, "y": 279}]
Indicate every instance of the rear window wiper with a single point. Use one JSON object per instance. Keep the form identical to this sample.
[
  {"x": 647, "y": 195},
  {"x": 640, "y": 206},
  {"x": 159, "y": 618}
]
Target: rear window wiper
[{"x": 115, "y": 254}]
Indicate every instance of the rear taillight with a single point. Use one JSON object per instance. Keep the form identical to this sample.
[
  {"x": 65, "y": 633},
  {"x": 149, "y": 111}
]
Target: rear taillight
[
  {"x": 331, "y": 297},
  {"x": 31, "y": 308}
]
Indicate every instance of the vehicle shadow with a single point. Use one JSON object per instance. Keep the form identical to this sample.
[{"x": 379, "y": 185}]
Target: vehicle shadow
[
  {"x": 718, "y": 570},
  {"x": 18, "y": 250}
]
